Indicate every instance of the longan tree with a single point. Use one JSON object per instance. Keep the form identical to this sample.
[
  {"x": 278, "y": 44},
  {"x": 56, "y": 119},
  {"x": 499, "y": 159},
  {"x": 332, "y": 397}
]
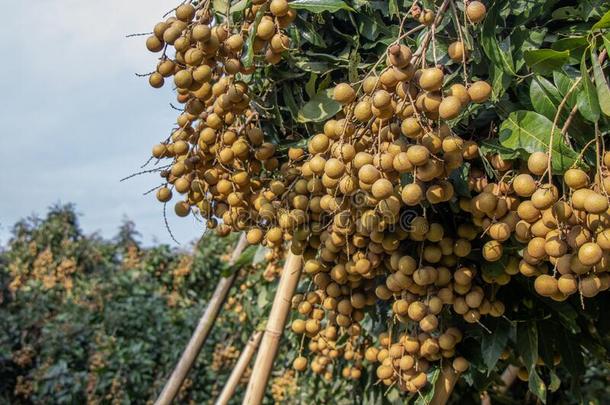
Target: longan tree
[{"x": 437, "y": 168}]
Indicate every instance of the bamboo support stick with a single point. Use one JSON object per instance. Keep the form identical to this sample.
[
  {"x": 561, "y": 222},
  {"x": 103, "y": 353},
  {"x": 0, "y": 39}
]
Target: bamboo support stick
[
  {"x": 240, "y": 367},
  {"x": 444, "y": 386},
  {"x": 274, "y": 329},
  {"x": 201, "y": 332}
]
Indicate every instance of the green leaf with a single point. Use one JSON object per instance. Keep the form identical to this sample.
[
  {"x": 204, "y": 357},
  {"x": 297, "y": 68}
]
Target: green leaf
[
  {"x": 603, "y": 92},
  {"x": 545, "y": 61},
  {"x": 393, "y": 8},
  {"x": 555, "y": 382},
  {"x": 527, "y": 343},
  {"x": 564, "y": 80},
  {"x": 544, "y": 96},
  {"x": 492, "y": 146},
  {"x": 221, "y": 6},
  {"x": 604, "y": 22},
  {"x": 319, "y": 108},
  {"x": 248, "y": 56},
  {"x": 319, "y": 6},
  {"x": 240, "y": 6},
  {"x": 490, "y": 43},
  {"x": 588, "y": 104},
  {"x": 531, "y": 132},
  {"x": 575, "y": 45},
  {"x": 494, "y": 343}
]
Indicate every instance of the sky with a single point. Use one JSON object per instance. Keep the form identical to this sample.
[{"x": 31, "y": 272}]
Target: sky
[{"x": 74, "y": 118}]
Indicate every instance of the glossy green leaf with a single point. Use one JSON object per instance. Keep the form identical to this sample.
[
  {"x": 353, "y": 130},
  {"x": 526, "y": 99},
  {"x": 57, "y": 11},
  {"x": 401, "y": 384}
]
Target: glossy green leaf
[
  {"x": 428, "y": 392},
  {"x": 601, "y": 84},
  {"x": 544, "y": 97},
  {"x": 531, "y": 132},
  {"x": 545, "y": 61},
  {"x": 248, "y": 54},
  {"x": 319, "y": 108},
  {"x": 319, "y": 6},
  {"x": 527, "y": 345},
  {"x": 604, "y": 22},
  {"x": 588, "y": 103},
  {"x": 494, "y": 343},
  {"x": 575, "y": 45},
  {"x": 491, "y": 45}
]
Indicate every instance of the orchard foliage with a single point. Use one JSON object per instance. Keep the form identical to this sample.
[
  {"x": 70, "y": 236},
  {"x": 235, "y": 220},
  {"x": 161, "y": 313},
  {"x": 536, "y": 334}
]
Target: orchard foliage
[
  {"x": 440, "y": 166},
  {"x": 109, "y": 327}
]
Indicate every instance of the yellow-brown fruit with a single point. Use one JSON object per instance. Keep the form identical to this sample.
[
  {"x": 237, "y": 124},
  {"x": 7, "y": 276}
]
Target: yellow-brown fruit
[
  {"x": 524, "y": 185},
  {"x": 457, "y": 51},
  {"x": 182, "y": 208},
  {"x": 590, "y": 254},
  {"x": 382, "y": 189},
  {"x": 460, "y": 364},
  {"x": 427, "y": 17},
  {"x": 537, "y": 163},
  {"x": 459, "y": 90},
  {"x": 412, "y": 194},
  {"x": 576, "y": 179},
  {"x": 567, "y": 284},
  {"x": 164, "y": 194},
  {"x": 492, "y": 251},
  {"x": 476, "y": 11},
  {"x": 300, "y": 363},
  {"x": 431, "y": 79},
  {"x": 156, "y": 80},
  {"x": 279, "y": 8},
  {"x": 449, "y": 108},
  {"x": 344, "y": 93},
  {"x": 154, "y": 44},
  {"x": 185, "y": 12},
  {"x": 596, "y": 203},
  {"x": 479, "y": 91},
  {"x": 546, "y": 285},
  {"x": 265, "y": 29}
]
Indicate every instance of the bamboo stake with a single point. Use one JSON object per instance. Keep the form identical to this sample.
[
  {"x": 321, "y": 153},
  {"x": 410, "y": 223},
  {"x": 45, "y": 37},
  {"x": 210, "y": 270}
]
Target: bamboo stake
[
  {"x": 274, "y": 329},
  {"x": 206, "y": 322},
  {"x": 444, "y": 386},
  {"x": 240, "y": 367}
]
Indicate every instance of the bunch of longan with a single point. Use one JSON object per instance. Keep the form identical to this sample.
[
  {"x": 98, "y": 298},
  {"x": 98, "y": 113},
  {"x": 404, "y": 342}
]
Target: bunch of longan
[
  {"x": 566, "y": 235},
  {"x": 220, "y": 162}
]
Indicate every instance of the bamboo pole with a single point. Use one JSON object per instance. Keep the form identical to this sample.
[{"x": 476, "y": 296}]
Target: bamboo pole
[
  {"x": 201, "y": 332},
  {"x": 240, "y": 367},
  {"x": 444, "y": 386},
  {"x": 274, "y": 329}
]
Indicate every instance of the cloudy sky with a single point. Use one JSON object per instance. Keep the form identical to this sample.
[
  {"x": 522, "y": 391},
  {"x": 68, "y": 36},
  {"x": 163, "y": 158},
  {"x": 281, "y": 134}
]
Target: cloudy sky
[{"x": 74, "y": 117}]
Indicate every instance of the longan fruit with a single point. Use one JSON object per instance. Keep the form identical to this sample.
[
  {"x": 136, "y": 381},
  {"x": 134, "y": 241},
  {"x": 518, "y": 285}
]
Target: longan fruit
[
  {"x": 459, "y": 90},
  {"x": 431, "y": 79},
  {"x": 546, "y": 285},
  {"x": 492, "y": 251},
  {"x": 300, "y": 363},
  {"x": 479, "y": 91},
  {"x": 590, "y": 253},
  {"x": 154, "y": 44},
  {"x": 589, "y": 286},
  {"x": 576, "y": 178},
  {"x": 344, "y": 93},
  {"x": 476, "y": 11},
  {"x": 265, "y": 29},
  {"x": 450, "y": 107},
  {"x": 596, "y": 203},
  {"x": 279, "y": 8},
  {"x": 567, "y": 284},
  {"x": 164, "y": 194},
  {"x": 457, "y": 51},
  {"x": 382, "y": 189},
  {"x": 156, "y": 80},
  {"x": 185, "y": 12},
  {"x": 537, "y": 163},
  {"x": 524, "y": 185},
  {"x": 460, "y": 364}
]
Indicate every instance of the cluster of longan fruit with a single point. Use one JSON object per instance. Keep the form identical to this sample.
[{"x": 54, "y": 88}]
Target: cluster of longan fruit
[
  {"x": 220, "y": 162},
  {"x": 405, "y": 359},
  {"x": 224, "y": 356},
  {"x": 283, "y": 386},
  {"x": 566, "y": 234}
]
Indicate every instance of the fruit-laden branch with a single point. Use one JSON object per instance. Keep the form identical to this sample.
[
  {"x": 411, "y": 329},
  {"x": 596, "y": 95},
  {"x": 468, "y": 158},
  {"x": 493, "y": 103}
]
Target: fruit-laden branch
[
  {"x": 206, "y": 322},
  {"x": 240, "y": 367},
  {"x": 274, "y": 330}
]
